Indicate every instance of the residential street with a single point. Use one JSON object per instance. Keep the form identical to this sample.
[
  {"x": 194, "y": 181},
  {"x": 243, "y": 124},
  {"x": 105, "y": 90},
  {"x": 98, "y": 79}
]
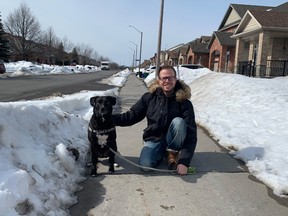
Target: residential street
[{"x": 34, "y": 87}]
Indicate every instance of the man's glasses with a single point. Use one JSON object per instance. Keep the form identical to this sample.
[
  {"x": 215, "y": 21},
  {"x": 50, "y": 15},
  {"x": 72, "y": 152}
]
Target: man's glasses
[{"x": 171, "y": 78}]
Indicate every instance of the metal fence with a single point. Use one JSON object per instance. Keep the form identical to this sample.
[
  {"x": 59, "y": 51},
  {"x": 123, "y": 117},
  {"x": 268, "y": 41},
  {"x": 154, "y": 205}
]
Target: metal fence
[
  {"x": 246, "y": 68},
  {"x": 277, "y": 67},
  {"x": 273, "y": 68}
]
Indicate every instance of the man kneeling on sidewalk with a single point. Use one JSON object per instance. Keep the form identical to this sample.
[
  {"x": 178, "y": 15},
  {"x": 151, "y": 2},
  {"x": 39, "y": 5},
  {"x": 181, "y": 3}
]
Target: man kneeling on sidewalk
[{"x": 171, "y": 125}]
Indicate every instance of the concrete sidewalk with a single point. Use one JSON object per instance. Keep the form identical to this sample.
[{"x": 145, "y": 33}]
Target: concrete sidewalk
[{"x": 221, "y": 185}]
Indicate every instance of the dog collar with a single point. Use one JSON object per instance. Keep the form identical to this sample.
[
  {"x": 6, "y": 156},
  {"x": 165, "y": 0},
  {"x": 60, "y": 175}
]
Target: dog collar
[{"x": 99, "y": 132}]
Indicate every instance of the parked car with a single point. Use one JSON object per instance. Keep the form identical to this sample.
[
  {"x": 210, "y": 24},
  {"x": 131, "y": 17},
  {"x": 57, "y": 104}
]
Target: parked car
[
  {"x": 2, "y": 67},
  {"x": 191, "y": 66},
  {"x": 150, "y": 69},
  {"x": 146, "y": 71}
]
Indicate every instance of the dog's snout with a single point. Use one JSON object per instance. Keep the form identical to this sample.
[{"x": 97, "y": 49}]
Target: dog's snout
[{"x": 103, "y": 108}]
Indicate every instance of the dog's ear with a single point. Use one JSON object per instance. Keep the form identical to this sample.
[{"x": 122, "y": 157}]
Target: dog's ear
[
  {"x": 93, "y": 100},
  {"x": 112, "y": 99}
]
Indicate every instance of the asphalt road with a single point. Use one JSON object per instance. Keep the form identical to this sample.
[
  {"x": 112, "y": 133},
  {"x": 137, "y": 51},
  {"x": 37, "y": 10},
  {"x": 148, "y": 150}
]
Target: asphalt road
[{"x": 33, "y": 87}]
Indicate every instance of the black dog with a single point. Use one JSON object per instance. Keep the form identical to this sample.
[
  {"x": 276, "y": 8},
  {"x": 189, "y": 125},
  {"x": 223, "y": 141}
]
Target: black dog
[{"x": 101, "y": 131}]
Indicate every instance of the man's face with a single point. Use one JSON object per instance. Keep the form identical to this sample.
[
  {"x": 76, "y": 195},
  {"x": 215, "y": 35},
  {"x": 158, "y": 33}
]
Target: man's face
[{"x": 167, "y": 80}]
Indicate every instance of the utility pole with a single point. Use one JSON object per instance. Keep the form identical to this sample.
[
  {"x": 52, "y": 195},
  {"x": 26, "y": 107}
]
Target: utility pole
[{"x": 159, "y": 38}]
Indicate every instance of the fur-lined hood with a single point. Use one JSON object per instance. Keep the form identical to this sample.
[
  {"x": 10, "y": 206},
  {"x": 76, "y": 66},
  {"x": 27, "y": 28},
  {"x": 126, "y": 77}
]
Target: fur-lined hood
[{"x": 182, "y": 90}]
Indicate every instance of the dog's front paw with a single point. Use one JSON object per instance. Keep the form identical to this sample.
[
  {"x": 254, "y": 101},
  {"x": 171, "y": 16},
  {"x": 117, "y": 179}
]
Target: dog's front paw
[{"x": 93, "y": 173}]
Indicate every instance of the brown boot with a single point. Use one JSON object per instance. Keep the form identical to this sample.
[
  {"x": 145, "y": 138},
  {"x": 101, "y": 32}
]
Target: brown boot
[{"x": 172, "y": 159}]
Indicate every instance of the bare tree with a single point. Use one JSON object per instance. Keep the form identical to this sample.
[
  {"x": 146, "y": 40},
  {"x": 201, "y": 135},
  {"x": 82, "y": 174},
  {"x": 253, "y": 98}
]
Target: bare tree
[
  {"x": 62, "y": 56},
  {"x": 50, "y": 42},
  {"x": 25, "y": 29},
  {"x": 67, "y": 44},
  {"x": 94, "y": 57},
  {"x": 85, "y": 52},
  {"x": 103, "y": 58}
]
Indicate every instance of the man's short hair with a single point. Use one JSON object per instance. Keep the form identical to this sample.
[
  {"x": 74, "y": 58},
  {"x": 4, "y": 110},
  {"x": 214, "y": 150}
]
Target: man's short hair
[{"x": 167, "y": 67}]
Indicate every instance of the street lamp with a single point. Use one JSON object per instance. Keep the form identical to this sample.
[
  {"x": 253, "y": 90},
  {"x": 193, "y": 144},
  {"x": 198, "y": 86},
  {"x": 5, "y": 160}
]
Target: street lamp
[
  {"x": 140, "y": 52},
  {"x": 136, "y": 51},
  {"x": 133, "y": 62}
]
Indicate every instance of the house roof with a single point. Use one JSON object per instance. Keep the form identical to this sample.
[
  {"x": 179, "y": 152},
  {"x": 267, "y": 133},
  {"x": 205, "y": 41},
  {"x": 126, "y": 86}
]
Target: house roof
[
  {"x": 281, "y": 8},
  {"x": 275, "y": 19},
  {"x": 183, "y": 49},
  {"x": 175, "y": 47},
  {"x": 271, "y": 18},
  {"x": 202, "y": 39},
  {"x": 206, "y": 39},
  {"x": 240, "y": 9},
  {"x": 224, "y": 39},
  {"x": 173, "y": 54},
  {"x": 199, "y": 47}
]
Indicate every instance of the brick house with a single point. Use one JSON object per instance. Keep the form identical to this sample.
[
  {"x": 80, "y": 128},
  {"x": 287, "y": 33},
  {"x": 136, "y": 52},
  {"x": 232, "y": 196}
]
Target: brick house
[
  {"x": 182, "y": 56},
  {"x": 262, "y": 40},
  {"x": 167, "y": 57},
  {"x": 222, "y": 46},
  {"x": 194, "y": 52},
  {"x": 172, "y": 55},
  {"x": 198, "y": 52}
]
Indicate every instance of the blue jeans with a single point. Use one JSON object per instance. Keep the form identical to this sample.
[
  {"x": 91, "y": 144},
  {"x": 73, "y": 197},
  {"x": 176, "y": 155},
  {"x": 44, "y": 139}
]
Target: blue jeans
[{"x": 153, "y": 152}]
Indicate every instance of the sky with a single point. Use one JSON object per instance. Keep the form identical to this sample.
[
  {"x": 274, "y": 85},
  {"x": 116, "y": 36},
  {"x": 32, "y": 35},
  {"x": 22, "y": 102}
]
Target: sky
[
  {"x": 248, "y": 116},
  {"x": 105, "y": 24}
]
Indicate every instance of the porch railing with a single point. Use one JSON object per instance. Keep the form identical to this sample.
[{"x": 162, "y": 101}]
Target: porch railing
[
  {"x": 273, "y": 68},
  {"x": 245, "y": 68},
  {"x": 277, "y": 68}
]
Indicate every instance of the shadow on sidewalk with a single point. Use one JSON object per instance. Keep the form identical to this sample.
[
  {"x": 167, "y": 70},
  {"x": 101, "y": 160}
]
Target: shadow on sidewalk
[
  {"x": 205, "y": 162},
  {"x": 89, "y": 199},
  {"x": 93, "y": 193}
]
